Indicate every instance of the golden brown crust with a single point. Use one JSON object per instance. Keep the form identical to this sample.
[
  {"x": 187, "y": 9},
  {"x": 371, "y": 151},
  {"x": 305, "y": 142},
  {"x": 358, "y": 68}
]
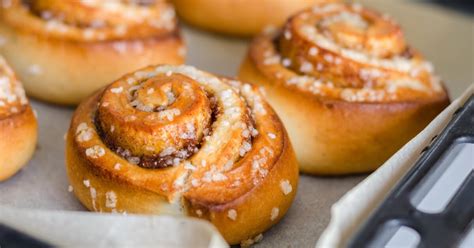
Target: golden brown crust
[
  {"x": 18, "y": 126},
  {"x": 240, "y": 159},
  {"x": 63, "y": 61},
  {"x": 242, "y": 18},
  {"x": 341, "y": 120}
]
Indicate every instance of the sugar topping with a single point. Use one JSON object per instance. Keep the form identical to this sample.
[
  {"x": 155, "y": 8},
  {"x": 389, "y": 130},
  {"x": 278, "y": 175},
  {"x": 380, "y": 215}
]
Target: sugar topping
[
  {"x": 117, "y": 90},
  {"x": 234, "y": 139},
  {"x": 271, "y": 135},
  {"x": 12, "y": 94},
  {"x": 84, "y": 133},
  {"x": 232, "y": 214},
  {"x": 95, "y": 152},
  {"x": 110, "y": 199},
  {"x": 286, "y": 187},
  {"x": 249, "y": 242},
  {"x": 274, "y": 213},
  {"x": 386, "y": 67}
]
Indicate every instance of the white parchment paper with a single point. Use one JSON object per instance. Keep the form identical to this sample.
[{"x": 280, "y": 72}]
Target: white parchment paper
[{"x": 82, "y": 229}]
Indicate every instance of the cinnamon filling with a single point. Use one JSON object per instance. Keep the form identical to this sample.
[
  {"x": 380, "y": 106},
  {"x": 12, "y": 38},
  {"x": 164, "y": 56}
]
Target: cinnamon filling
[{"x": 154, "y": 143}]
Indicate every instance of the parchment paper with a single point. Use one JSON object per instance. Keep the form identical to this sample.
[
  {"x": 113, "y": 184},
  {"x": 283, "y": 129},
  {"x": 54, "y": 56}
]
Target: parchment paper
[
  {"x": 443, "y": 36},
  {"x": 83, "y": 229}
]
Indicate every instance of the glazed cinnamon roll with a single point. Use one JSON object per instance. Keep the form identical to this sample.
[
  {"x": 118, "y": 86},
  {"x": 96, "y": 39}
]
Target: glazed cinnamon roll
[
  {"x": 347, "y": 86},
  {"x": 243, "y": 17},
  {"x": 63, "y": 50},
  {"x": 18, "y": 126},
  {"x": 174, "y": 139}
]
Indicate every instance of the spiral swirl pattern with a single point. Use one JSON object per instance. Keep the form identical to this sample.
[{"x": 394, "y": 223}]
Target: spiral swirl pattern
[
  {"x": 199, "y": 133},
  {"x": 174, "y": 139},
  {"x": 93, "y": 20},
  {"x": 342, "y": 51}
]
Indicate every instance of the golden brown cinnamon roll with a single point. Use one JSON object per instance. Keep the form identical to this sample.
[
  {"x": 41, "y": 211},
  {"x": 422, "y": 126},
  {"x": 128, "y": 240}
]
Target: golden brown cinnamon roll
[
  {"x": 18, "y": 126},
  {"x": 243, "y": 17},
  {"x": 173, "y": 139},
  {"x": 63, "y": 50},
  {"x": 347, "y": 86}
]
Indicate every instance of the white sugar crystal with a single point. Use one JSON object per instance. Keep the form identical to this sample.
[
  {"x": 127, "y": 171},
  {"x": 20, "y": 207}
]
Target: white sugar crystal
[
  {"x": 70, "y": 188},
  {"x": 110, "y": 199},
  {"x": 131, "y": 81},
  {"x": 93, "y": 197},
  {"x": 254, "y": 132},
  {"x": 246, "y": 146},
  {"x": 329, "y": 58},
  {"x": 319, "y": 67},
  {"x": 117, "y": 90},
  {"x": 189, "y": 166},
  {"x": 195, "y": 182},
  {"x": 286, "y": 62},
  {"x": 313, "y": 51},
  {"x": 306, "y": 67},
  {"x": 167, "y": 151},
  {"x": 84, "y": 133},
  {"x": 81, "y": 127},
  {"x": 275, "y": 59},
  {"x": 286, "y": 187},
  {"x": 169, "y": 114},
  {"x": 88, "y": 33},
  {"x": 228, "y": 165},
  {"x": 117, "y": 166},
  {"x": 217, "y": 177},
  {"x": 87, "y": 183},
  {"x": 251, "y": 241},
  {"x": 246, "y": 133},
  {"x": 134, "y": 160},
  {"x": 232, "y": 214},
  {"x": 274, "y": 214},
  {"x": 179, "y": 182},
  {"x": 95, "y": 152},
  {"x": 271, "y": 135}
]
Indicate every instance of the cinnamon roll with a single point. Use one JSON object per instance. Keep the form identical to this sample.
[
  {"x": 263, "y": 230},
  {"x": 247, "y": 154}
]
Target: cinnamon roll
[
  {"x": 18, "y": 126},
  {"x": 347, "y": 86},
  {"x": 63, "y": 50},
  {"x": 177, "y": 140},
  {"x": 243, "y": 17}
]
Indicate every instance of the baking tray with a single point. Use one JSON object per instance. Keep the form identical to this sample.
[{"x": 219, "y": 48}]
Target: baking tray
[
  {"x": 400, "y": 209},
  {"x": 43, "y": 183}
]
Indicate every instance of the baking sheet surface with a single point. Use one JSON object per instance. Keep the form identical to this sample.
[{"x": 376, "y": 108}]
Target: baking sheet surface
[{"x": 444, "y": 37}]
